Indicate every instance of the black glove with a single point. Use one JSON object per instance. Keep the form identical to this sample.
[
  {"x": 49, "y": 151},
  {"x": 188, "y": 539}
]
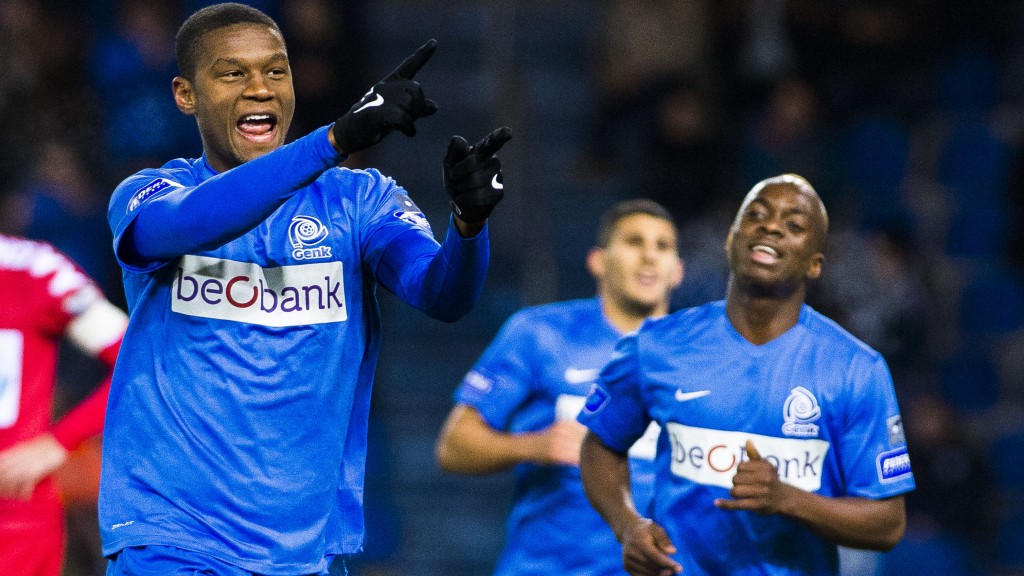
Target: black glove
[
  {"x": 393, "y": 103},
  {"x": 472, "y": 175}
]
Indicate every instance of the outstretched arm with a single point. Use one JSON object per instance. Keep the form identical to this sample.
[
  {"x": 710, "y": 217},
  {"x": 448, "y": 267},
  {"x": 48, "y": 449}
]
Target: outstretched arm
[
  {"x": 645, "y": 545},
  {"x": 228, "y": 205},
  {"x": 469, "y": 445},
  {"x": 847, "y": 521}
]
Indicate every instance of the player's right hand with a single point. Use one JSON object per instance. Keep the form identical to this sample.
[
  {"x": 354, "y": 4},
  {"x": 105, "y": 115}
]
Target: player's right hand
[
  {"x": 646, "y": 548},
  {"x": 394, "y": 103}
]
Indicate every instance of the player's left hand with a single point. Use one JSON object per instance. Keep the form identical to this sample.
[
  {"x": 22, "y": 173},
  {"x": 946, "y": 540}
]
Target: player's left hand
[
  {"x": 472, "y": 176},
  {"x": 24, "y": 464},
  {"x": 756, "y": 486}
]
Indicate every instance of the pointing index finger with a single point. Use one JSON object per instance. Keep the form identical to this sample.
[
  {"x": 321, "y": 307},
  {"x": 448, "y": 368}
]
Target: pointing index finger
[
  {"x": 492, "y": 142},
  {"x": 411, "y": 65}
]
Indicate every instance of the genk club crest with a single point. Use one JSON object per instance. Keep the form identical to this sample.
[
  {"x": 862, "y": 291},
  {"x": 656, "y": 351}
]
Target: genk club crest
[
  {"x": 305, "y": 232},
  {"x": 800, "y": 412}
]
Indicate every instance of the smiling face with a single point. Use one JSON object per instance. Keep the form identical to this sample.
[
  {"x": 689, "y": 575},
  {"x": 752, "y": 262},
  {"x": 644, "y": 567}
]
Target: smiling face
[
  {"x": 776, "y": 239},
  {"x": 640, "y": 266},
  {"x": 241, "y": 94}
]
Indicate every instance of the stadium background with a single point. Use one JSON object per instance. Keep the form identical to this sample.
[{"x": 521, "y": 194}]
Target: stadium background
[{"x": 905, "y": 114}]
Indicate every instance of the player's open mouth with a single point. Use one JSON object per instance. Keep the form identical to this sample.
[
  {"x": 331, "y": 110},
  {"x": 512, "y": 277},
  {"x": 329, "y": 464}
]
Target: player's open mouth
[
  {"x": 257, "y": 127},
  {"x": 646, "y": 278},
  {"x": 764, "y": 254}
]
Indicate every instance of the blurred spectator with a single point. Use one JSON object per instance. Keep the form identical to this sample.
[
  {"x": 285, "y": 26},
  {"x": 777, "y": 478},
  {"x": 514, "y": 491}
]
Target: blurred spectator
[
  {"x": 688, "y": 163},
  {"x": 956, "y": 491},
  {"x": 61, "y": 203},
  {"x": 873, "y": 285},
  {"x": 787, "y": 135},
  {"x": 329, "y": 52},
  {"x": 131, "y": 70},
  {"x": 40, "y": 94},
  {"x": 642, "y": 43}
]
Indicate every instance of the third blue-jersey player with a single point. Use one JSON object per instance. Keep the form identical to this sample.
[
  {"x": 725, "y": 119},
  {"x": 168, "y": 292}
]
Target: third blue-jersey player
[{"x": 781, "y": 434}]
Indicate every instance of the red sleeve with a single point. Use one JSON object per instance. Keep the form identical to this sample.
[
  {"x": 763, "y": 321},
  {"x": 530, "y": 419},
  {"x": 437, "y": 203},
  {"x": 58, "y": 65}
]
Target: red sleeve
[{"x": 85, "y": 420}]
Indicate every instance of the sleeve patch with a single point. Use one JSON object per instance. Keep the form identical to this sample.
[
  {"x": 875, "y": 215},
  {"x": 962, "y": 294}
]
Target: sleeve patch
[
  {"x": 596, "y": 400},
  {"x": 893, "y": 465},
  {"x": 147, "y": 191},
  {"x": 479, "y": 381}
]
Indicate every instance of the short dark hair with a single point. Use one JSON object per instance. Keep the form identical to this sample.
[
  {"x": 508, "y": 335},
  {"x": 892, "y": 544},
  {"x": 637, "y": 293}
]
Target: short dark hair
[
  {"x": 610, "y": 219},
  {"x": 188, "y": 42}
]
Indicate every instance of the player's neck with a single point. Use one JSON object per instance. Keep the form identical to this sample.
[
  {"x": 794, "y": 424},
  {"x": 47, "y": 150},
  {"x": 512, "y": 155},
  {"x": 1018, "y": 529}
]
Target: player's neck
[
  {"x": 762, "y": 319},
  {"x": 626, "y": 319}
]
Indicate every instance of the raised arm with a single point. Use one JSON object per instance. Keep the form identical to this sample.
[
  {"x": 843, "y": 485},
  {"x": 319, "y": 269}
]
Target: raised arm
[
  {"x": 446, "y": 283},
  {"x": 185, "y": 218}
]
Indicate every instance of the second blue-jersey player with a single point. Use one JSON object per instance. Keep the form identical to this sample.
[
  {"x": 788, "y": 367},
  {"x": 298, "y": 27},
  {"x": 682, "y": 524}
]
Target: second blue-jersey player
[{"x": 517, "y": 407}]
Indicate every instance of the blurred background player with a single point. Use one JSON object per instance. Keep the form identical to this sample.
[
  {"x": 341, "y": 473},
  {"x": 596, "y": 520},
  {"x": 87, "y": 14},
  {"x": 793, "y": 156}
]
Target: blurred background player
[
  {"x": 44, "y": 298},
  {"x": 517, "y": 406},
  {"x": 782, "y": 437}
]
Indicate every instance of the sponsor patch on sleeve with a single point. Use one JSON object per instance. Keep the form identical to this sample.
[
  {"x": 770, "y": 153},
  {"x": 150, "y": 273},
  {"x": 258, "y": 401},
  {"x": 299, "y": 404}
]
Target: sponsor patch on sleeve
[
  {"x": 479, "y": 381},
  {"x": 147, "y": 191},
  {"x": 596, "y": 400},
  {"x": 409, "y": 211},
  {"x": 415, "y": 218},
  {"x": 893, "y": 465}
]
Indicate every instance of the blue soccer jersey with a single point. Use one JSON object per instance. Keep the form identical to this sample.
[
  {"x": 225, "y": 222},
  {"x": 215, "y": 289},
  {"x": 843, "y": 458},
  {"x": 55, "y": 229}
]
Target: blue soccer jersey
[
  {"x": 817, "y": 403},
  {"x": 237, "y": 419},
  {"x": 538, "y": 369}
]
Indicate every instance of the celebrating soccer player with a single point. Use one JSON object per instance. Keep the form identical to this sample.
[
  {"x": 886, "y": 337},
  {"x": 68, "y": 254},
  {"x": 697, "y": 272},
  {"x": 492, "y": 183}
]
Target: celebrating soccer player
[
  {"x": 781, "y": 435},
  {"x": 237, "y": 423}
]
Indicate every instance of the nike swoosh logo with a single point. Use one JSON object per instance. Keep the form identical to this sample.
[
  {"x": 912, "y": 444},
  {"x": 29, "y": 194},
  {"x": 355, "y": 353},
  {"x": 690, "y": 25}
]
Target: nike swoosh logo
[
  {"x": 687, "y": 396},
  {"x": 495, "y": 184},
  {"x": 377, "y": 101},
  {"x": 581, "y": 375}
]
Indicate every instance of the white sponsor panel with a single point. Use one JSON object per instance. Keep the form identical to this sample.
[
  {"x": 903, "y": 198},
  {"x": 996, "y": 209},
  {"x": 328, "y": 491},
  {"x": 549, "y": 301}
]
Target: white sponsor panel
[
  {"x": 245, "y": 292},
  {"x": 568, "y": 406},
  {"x": 12, "y": 345},
  {"x": 581, "y": 375},
  {"x": 710, "y": 457}
]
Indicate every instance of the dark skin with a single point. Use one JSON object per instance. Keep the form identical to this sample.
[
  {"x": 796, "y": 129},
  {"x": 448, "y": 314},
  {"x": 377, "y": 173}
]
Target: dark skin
[
  {"x": 243, "y": 99},
  {"x": 774, "y": 246}
]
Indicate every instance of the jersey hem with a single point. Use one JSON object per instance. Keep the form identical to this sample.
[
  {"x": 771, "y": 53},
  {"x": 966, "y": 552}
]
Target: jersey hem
[{"x": 265, "y": 568}]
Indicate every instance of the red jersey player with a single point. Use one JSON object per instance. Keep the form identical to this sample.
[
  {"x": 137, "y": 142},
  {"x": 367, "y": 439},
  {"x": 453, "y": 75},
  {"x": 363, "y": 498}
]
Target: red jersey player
[{"x": 44, "y": 298}]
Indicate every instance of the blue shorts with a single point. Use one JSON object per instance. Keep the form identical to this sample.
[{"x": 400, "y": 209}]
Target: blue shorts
[{"x": 171, "y": 561}]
